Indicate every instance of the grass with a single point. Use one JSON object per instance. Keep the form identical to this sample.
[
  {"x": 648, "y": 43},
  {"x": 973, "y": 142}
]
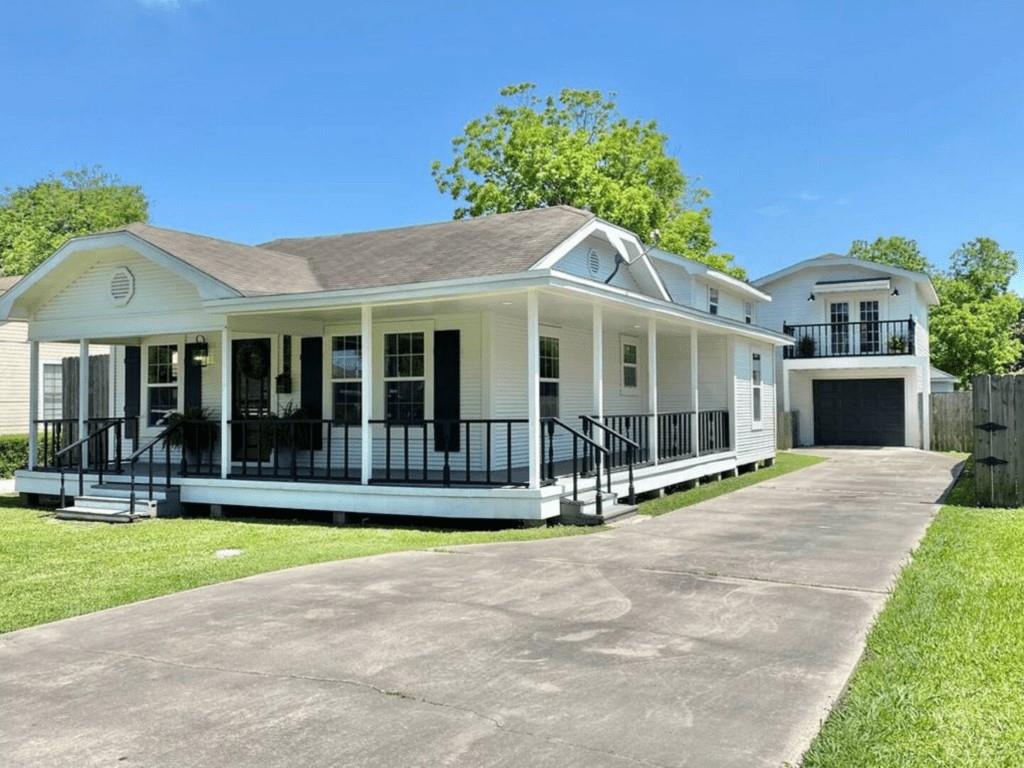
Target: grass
[
  {"x": 784, "y": 463},
  {"x": 51, "y": 570},
  {"x": 942, "y": 679}
]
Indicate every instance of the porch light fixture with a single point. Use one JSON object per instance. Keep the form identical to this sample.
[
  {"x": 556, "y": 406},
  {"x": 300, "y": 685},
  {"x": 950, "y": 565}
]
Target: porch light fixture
[
  {"x": 201, "y": 352},
  {"x": 895, "y": 292},
  {"x": 811, "y": 297}
]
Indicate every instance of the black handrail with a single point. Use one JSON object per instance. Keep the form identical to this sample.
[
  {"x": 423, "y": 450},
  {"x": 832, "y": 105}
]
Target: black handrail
[
  {"x": 589, "y": 423},
  {"x": 548, "y": 425},
  {"x": 107, "y": 424},
  {"x": 149, "y": 448},
  {"x": 261, "y": 441}
]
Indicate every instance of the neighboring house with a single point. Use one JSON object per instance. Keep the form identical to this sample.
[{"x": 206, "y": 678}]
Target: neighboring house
[
  {"x": 474, "y": 368},
  {"x": 942, "y": 381},
  {"x": 858, "y": 372},
  {"x": 14, "y": 383}
]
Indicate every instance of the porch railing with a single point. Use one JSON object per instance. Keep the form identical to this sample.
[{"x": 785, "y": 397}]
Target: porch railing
[
  {"x": 675, "y": 435},
  {"x": 549, "y": 474},
  {"x": 621, "y": 450},
  {"x": 54, "y": 435},
  {"x": 295, "y": 449},
  {"x": 713, "y": 432},
  {"x": 64, "y": 459},
  {"x": 858, "y": 339},
  {"x": 450, "y": 451},
  {"x": 633, "y": 440}
]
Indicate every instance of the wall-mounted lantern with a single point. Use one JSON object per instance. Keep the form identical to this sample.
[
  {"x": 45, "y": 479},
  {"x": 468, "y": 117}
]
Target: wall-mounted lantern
[{"x": 201, "y": 352}]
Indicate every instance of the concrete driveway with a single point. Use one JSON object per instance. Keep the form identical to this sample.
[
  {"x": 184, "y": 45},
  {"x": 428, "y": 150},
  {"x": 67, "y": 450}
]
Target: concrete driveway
[{"x": 718, "y": 635}]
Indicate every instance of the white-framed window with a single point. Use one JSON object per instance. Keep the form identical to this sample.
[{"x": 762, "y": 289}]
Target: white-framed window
[
  {"x": 347, "y": 379},
  {"x": 748, "y": 312},
  {"x": 549, "y": 375},
  {"x": 712, "y": 300},
  {"x": 630, "y": 356},
  {"x": 161, "y": 382},
  {"x": 755, "y": 388},
  {"x": 53, "y": 391},
  {"x": 405, "y": 376}
]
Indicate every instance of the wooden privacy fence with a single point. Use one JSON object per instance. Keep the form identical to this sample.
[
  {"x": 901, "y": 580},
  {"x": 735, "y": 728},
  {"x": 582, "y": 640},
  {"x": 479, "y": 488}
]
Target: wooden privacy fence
[
  {"x": 999, "y": 440},
  {"x": 952, "y": 420}
]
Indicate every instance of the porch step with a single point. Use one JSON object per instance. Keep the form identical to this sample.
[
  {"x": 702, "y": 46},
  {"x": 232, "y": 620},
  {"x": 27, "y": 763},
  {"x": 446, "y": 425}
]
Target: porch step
[
  {"x": 583, "y": 510},
  {"x": 96, "y": 515},
  {"x": 166, "y": 501}
]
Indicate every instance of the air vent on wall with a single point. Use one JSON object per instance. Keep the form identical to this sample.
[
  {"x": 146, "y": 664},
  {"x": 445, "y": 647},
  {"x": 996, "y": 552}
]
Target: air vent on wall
[
  {"x": 593, "y": 261},
  {"x": 122, "y": 286}
]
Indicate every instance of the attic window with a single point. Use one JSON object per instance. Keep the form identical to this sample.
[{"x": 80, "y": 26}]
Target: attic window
[
  {"x": 593, "y": 261},
  {"x": 122, "y": 286}
]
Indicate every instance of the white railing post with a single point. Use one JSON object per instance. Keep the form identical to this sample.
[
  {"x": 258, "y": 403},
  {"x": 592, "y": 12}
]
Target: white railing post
[
  {"x": 33, "y": 402},
  {"x": 533, "y": 386},
  {"x": 226, "y": 359},
  {"x": 366, "y": 435},
  {"x": 83, "y": 397},
  {"x": 652, "y": 386},
  {"x": 694, "y": 394}
]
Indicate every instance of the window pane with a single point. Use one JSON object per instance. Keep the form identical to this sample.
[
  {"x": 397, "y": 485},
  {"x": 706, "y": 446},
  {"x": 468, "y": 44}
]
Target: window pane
[
  {"x": 755, "y": 369},
  {"x": 346, "y": 357},
  {"x": 549, "y": 399},
  {"x": 548, "y": 357},
  {"x": 403, "y": 355},
  {"x": 404, "y": 400},
  {"x": 162, "y": 401},
  {"x": 348, "y": 402},
  {"x": 629, "y": 354},
  {"x": 163, "y": 364},
  {"x": 629, "y": 376},
  {"x": 757, "y": 404}
]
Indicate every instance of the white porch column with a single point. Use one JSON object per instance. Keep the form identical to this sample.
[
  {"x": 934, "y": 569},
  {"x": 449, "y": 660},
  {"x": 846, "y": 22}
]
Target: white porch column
[
  {"x": 652, "y": 385},
  {"x": 533, "y": 385},
  {"x": 694, "y": 394},
  {"x": 366, "y": 440},
  {"x": 225, "y": 402},
  {"x": 33, "y": 401},
  {"x": 598, "y": 363},
  {"x": 83, "y": 396}
]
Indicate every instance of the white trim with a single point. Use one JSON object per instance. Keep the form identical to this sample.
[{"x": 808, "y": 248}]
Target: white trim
[
  {"x": 834, "y": 260},
  {"x": 33, "y": 401},
  {"x": 597, "y": 361},
  {"x": 694, "y": 392},
  {"x": 83, "y": 398},
  {"x": 366, "y": 438},
  {"x": 227, "y": 359},
  {"x": 652, "y": 386},
  {"x": 695, "y": 268},
  {"x": 853, "y": 286},
  {"x": 533, "y": 386}
]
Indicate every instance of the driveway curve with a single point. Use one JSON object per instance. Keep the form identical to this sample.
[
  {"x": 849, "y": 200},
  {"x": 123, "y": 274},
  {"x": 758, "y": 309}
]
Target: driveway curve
[{"x": 718, "y": 635}]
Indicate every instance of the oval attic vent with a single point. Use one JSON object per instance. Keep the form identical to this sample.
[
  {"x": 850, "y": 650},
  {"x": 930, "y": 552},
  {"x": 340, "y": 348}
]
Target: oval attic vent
[
  {"x": 593, "y": 261},
  {"x": 122, "y": 286}
]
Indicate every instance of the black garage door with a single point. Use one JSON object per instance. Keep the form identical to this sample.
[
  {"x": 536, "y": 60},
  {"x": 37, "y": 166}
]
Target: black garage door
[{"x": 858, "y": 412}]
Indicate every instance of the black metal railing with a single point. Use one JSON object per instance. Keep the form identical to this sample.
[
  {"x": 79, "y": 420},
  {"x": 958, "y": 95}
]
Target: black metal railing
[
  {"x": 295, "y": 449},
  {"x": 450, "y": 451},
  {"x": 857, "y": 339},
  {"x": 713, "y": 432},
  {"x": 621, "y": 449},
  {"x": 65, "y": 458},
  {"x": 166, "y": 436},
  {"x": 634, "y": 428},
  {"x": 54, "y": 435},
  {"x": 675, "y": 435},
  {"x": 590, "y": 448}
]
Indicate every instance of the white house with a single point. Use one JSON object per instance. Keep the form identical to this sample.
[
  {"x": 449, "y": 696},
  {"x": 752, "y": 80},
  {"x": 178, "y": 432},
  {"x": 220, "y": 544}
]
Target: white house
[
  {"x": 858, "y": 372},
  {"x": 496, "y": 367}
]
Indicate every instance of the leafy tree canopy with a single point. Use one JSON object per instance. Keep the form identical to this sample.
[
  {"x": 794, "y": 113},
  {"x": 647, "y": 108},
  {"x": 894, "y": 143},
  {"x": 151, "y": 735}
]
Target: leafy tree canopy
[
  {"x": 896, "y": 251},
  {"x": 576, "y": 149},
  {"x": 38, "y": 219}
]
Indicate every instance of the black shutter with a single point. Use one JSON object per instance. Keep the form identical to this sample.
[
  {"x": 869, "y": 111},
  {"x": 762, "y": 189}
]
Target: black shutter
[
  {"x": 311, "y": 376},
  {"x": 447, "y": 400},
  {"x": 132, "y": 390},
  {"x": 193, "y": 382}
]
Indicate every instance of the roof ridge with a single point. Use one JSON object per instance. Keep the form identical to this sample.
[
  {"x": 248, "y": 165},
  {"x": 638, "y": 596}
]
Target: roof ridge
[{"x": 147, "y": 225}]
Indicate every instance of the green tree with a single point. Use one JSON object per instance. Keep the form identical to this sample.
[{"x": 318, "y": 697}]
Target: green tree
[
  {"x": 38, "y": 219},
  {"x": 896, "y": 251},
  {"x": 976, "y": 327},
  {"x": 576, "y": 149}
]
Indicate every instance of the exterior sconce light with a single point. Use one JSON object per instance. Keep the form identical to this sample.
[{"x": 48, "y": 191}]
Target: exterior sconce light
[
  {"x": 811, "y": 297},
  {"x": 201, "y": 352},
  {"x": 895, "y": 292}
]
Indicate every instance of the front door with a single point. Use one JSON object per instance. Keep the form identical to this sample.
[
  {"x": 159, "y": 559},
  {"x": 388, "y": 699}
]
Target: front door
[{"x": 250, "y": 396}]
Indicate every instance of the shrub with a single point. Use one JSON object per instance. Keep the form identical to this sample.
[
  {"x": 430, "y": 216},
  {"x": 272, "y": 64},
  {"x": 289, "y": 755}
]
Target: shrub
[{"x": 13, "y": 454}]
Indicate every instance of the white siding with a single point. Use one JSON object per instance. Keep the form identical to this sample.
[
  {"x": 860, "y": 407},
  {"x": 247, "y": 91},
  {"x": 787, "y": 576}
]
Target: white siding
[
  {"x": 677, "y": 280},
  {"x": 673, "y": 374},
  {"x": 576, "y": 262},
  {"x": 753, "y": 441}
]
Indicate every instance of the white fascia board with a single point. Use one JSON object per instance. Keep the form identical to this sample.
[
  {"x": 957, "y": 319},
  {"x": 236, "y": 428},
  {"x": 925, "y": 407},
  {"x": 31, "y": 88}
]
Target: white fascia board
[
  {"x": 697, "y": 269},
  {"x": 207, "y": 286},
  {"x": 848, "y": 286},
  {"x": 866, "y": 363},
  {"x": 923, "y": 282}
]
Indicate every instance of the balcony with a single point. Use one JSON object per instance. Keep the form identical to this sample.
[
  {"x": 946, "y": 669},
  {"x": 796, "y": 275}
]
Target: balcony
[{"x": 874, "y": 338}]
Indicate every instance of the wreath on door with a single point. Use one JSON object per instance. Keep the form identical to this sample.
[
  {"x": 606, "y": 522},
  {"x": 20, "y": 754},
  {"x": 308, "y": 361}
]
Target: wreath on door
[{"x": 252, "y": 361}]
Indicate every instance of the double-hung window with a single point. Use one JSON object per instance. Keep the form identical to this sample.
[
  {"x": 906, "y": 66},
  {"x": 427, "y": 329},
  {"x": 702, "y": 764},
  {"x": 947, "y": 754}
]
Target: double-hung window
[
  {"x": 629, "y": 363},
  {"x": 53, "y": 391},
  {"x": 748, "y": 312},
  {"x": 755, "y": 388},
  {"x": 713, "y": 300},
  {"x": 161, "y": 382},
  {"x": 405, "y": 382},
  {"x": 347, "y": 379},
  {"x": 549, "y": 372}
]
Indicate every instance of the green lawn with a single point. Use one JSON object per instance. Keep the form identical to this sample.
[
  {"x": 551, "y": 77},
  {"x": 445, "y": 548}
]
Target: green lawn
[
  {"x": 942, "y": 680},
  {"x": 51, "y": 570},
  {"x": 784, "y": 463}
]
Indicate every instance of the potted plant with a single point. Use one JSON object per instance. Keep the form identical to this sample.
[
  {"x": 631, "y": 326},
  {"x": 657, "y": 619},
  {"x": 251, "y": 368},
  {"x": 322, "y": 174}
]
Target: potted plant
[
  {"x": 897, "y": 345},
  {"x": 806, "y": 346},
  {"x": 196, "y": 436}
]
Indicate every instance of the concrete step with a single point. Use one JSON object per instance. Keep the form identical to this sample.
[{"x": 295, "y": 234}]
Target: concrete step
[
  {"x": 166, "y": 501},
  {"x": 143, "y": 507},
  {"x": 95, "y": 515},
  {"x": 583, "y": 510}
]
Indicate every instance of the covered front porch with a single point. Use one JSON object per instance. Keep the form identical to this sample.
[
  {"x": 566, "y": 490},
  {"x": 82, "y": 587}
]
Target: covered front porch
[{"x": 427, "y": 406}]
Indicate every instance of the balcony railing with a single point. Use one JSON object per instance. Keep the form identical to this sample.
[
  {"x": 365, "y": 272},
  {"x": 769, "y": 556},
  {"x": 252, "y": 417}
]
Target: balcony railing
[{"x": 868, "y": 338}]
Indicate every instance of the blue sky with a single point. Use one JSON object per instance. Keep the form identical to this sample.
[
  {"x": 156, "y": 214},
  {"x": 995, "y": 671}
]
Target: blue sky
[{"x": 811, "y": 123}]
